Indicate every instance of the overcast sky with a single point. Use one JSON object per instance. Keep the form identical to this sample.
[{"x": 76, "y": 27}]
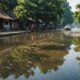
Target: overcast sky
[{"x": 73, "y": 3}]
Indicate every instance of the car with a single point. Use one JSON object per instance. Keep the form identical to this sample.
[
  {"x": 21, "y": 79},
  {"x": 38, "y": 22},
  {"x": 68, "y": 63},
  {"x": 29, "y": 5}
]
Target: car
[{"x": 67, "y": 27}]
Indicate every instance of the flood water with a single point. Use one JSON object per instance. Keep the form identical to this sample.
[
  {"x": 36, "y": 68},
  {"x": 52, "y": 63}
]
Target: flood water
[{"x": 40, "y": 56}]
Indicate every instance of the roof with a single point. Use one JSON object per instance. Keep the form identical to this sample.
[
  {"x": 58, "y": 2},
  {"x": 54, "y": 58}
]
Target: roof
[
  {"x": 11, "y": 14},
  {"x": 3, "y": 15}
]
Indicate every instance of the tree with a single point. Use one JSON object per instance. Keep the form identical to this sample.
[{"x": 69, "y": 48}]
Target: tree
[
  {"x": 78, "y": 7},
  {"x": 77, "y": 13},
  {"x": 7, "y": 5},
  {"x": 68, "y": 15},
  {"x": 20, "y": 10},
  {"x": 39, "y": 10}
]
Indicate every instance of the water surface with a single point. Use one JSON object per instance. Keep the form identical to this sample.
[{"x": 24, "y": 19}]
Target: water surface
[{"x": 40, "y": 56}]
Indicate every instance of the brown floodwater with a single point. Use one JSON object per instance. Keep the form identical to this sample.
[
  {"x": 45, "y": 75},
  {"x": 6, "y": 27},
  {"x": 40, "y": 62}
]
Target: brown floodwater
[{"x": 47, "y": 55}]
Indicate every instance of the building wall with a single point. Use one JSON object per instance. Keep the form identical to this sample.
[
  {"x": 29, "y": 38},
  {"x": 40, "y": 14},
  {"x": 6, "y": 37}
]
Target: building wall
[
  {"x": 16, "y": 26},
  {"x": 6, "y": 25},
  {"x": 12, "y": 26}
]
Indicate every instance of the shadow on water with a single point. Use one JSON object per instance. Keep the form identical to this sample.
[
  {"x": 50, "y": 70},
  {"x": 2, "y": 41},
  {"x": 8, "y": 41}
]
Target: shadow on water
[{"x": 23, "y": 54}]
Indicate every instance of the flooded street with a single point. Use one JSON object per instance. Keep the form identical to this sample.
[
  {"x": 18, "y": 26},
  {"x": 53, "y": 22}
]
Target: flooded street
[{"x": 40, "y": 56}]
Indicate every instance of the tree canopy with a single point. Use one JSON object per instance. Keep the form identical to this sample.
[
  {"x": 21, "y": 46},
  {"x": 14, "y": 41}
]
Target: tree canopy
[
  {"x": 77, "y": 13},
  {"x": 7, "y": 5},
  {"x": 68, "y": 15},
  {"x": 39, "y": 10}
]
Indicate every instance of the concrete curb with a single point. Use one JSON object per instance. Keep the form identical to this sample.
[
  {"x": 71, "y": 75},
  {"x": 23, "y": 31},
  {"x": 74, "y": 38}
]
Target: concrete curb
[{"x": 11, "y": 33}]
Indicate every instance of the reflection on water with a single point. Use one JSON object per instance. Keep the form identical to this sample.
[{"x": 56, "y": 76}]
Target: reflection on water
[
  {"x": 39, "y": 56},
  {"x": 76, "y": 41}
]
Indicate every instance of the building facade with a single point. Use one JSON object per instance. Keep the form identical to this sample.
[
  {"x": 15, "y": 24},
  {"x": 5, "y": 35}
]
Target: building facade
[{"x": 6, "y": 22}]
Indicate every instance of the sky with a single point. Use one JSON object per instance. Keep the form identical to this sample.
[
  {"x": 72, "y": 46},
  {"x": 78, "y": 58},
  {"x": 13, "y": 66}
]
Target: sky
[{"x": 73, "y": 3}]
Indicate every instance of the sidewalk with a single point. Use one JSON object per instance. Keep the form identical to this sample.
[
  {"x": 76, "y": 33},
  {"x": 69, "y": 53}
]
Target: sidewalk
[{"x": 11, "y": 33}]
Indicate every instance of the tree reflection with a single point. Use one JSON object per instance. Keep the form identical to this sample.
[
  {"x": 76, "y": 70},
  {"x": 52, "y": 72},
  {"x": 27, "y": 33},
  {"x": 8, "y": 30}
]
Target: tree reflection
[
  {"x": 76, "y": 41},
  {"x": 43, "y": 50},
  {"x": 24, "y": 60},
  {"x": 78, "y": 58}
]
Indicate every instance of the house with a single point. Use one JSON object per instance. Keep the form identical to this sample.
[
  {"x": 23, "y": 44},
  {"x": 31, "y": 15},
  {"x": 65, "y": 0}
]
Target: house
[
  {"x": 6, "y": 22},
  {"x": 16, "y": 22}
]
